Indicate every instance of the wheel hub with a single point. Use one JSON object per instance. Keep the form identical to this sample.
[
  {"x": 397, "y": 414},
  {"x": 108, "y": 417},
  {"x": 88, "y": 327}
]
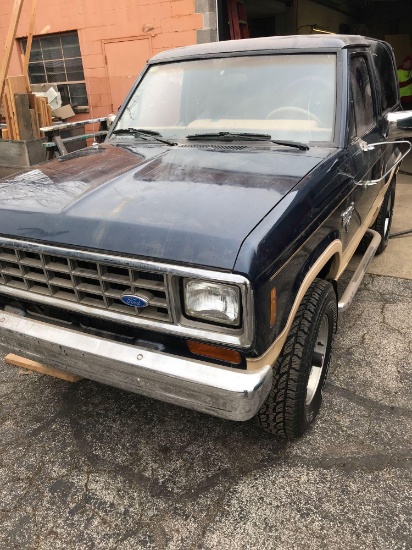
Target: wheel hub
[
  {"x": 388, "y": 216},
  {"x": 318, "y": 360}
]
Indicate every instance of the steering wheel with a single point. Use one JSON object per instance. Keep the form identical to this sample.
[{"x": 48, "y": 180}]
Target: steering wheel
[{"x": 272, "y": 114}]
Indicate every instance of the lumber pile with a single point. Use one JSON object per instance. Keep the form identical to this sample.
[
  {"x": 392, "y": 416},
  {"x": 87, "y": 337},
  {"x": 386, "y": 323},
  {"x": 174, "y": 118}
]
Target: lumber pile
[{"x": 24, "y": 112}]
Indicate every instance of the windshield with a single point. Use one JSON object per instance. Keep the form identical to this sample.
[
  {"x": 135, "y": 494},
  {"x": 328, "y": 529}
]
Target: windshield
[{"x": 289, "y": 97}]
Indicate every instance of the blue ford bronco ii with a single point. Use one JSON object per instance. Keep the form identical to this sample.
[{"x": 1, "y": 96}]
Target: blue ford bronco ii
[{"x": 193, "y": 257}]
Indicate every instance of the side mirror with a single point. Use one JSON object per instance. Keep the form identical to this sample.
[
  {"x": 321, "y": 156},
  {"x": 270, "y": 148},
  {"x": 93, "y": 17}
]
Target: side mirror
[{"x": 400, "y": 124}]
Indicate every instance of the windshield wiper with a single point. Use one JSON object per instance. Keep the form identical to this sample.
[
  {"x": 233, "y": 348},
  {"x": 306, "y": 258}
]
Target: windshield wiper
[
  {"x": 145, "y": 134},
  {"x": 230, "y": 136},
  {"x": 247, "y": 136},
  {"x": 287, "y": 143}
]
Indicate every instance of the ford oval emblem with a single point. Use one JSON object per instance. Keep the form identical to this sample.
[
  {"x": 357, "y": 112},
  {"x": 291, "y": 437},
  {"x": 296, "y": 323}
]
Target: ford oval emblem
[{"x": 134, "y": 301}]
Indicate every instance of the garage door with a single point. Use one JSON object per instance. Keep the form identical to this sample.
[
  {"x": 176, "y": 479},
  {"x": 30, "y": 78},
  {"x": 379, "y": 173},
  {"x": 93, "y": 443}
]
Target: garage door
[{"x": 124, "y": 60}]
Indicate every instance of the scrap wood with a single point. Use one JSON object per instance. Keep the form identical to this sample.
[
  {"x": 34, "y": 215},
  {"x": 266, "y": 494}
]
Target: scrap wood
[
  {"x": 10, "y": 120},
  {"x": 11, "y": 35},
  {"x": 26, "y": 57},
  {"x": 34, "y": 124},
  {"x": 23, "y": 117},
  {"x": 17, "y": 361},
  {"x": 43, "y": 111},
  {"x": 14, "y": 85}
]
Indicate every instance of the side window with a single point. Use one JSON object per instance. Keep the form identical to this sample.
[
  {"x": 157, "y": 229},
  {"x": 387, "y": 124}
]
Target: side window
[
  {"x": 362, "y": 95},
  {"x": 385, "y": 68}
]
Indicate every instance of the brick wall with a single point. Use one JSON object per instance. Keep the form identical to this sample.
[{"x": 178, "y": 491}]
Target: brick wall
[{"x": 168, "y": 24}]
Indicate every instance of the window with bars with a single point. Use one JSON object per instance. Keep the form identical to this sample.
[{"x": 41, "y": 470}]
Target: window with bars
[{"x": 56, "y": 59}]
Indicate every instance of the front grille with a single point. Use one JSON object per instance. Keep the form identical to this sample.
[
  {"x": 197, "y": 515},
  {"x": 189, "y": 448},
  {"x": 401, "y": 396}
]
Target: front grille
[{"x": 90, "y": 283}]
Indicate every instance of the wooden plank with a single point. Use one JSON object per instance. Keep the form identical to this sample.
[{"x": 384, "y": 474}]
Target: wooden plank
[
  {"x": 14, "y": 85},
  {"x": 29, "y": 42},
  {"x": 17, "y": 84},
  {"x": 37, "y": 110},
  {"x": 85, "y": 136},
  {"x": 45, "y": 113},
  {"x": 23, "y": 117},
  {"x": 43, "y": 110},
  {"x": 4, "y": 133},
  {"x": 32, "y": 100},
  {"x": 68, "y": 125},
  {"x": 26, "y": 75},
  {"x": 60, "y": 145},
  {"x": 10, "y": 108},
  {"x": 49, "y": 115},
  {"x": 8, "y": 116},
  {"x": 34, "y": 123},
  {"x": 17, "y": 361},
  {"x": 8, "y": 47}
]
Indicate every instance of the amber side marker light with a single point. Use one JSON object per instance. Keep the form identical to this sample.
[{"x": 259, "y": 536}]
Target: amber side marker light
[
  {"x": 215, "y": 352},
  {"x": 273, "y": 305}
]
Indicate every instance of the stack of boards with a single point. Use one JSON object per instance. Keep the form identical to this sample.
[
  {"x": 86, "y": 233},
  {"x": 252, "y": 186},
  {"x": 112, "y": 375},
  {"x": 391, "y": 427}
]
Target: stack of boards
[{"x": 25, "y": 112}]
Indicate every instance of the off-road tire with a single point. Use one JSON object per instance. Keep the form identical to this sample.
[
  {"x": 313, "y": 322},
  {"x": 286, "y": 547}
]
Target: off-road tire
[
  {"x": 286, "y": 412},
  {"x": 383, "y": 222}
]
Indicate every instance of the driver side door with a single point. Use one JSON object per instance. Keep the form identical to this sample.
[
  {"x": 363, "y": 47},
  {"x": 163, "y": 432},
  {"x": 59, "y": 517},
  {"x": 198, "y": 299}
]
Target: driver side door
[{"x": 366, "y": 165}]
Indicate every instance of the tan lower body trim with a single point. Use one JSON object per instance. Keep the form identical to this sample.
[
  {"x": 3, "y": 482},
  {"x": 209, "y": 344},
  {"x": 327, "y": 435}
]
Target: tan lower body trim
[
  {"x": 369, "y": 220},
  {"x": 339, "y": 266},
  {"x": 269, "y": 358}
]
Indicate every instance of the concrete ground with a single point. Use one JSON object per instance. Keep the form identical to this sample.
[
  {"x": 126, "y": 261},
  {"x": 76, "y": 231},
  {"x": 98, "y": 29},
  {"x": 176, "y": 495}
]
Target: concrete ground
[{"x": 86, "y": 466}]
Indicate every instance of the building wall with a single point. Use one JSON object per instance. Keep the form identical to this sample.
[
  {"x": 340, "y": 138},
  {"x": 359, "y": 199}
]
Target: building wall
[{"x": 164, "y": 24}]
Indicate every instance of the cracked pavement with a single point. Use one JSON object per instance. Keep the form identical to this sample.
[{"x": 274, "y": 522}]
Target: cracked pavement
[{"x": 87, "y": 466}]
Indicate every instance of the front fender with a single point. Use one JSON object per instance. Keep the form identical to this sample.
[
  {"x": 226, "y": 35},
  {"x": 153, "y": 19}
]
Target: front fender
[{"x": 323, "y": 262}]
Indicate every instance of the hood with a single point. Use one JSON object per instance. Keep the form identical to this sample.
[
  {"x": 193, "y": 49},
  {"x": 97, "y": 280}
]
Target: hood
[{"x": 189, "y": 204}]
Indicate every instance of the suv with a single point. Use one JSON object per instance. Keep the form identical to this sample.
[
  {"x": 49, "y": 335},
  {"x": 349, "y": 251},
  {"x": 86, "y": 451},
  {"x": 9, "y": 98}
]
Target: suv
[{"x": 194, "y": 256}]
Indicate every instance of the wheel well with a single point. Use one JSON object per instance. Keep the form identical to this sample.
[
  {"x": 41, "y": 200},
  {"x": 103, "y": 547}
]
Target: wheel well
[
  {"x": 324, "y": 272},
  {"x": 329, "y": 270}
]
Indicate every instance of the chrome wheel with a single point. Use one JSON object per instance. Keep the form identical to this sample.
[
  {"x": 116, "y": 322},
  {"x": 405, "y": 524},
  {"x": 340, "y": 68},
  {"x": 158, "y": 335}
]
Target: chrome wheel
[
  {"x": 318, "y": 360},
  {"x": 388, "y": 217}
]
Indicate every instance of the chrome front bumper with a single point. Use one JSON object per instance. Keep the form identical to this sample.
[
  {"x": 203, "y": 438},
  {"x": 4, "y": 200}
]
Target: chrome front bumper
[{"x": 198, "y": 385}]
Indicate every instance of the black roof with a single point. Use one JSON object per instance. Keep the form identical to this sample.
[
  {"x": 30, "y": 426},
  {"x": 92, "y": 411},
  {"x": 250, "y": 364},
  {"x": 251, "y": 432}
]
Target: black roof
[{"x": 275, "y": 43}]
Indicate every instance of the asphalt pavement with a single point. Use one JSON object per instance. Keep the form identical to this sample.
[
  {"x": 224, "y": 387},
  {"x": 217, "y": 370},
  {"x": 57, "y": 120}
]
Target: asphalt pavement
[{"x": 87, "y": 466}]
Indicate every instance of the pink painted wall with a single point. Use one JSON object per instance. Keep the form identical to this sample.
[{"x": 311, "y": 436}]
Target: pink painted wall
[{"x": 167, "y": 24}]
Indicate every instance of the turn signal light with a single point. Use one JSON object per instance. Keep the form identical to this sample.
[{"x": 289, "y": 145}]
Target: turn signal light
[{"x": 229, "y": 355}]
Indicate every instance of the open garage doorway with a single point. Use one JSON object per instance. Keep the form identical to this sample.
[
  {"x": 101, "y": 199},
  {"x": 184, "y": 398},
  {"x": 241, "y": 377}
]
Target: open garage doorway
[
  {"x": 389, "y": 20},
  {"x": 255, "y": 18}
]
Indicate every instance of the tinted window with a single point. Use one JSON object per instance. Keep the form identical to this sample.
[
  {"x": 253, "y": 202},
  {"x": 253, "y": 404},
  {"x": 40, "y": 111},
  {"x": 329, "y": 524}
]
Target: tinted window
[
  {"x": 362, "y": 95},
  {"x": 383, "y": 61}
]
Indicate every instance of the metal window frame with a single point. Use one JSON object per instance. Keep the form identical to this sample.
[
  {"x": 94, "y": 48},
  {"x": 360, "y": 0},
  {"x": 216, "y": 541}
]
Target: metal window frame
[{"x": 43, "y": 61}]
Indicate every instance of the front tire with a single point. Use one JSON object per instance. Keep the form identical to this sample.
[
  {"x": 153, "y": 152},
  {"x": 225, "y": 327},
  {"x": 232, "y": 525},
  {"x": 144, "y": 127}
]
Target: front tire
[
  {"x": 383, "y": 222},
  {"x": 300, "y": 371}
]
